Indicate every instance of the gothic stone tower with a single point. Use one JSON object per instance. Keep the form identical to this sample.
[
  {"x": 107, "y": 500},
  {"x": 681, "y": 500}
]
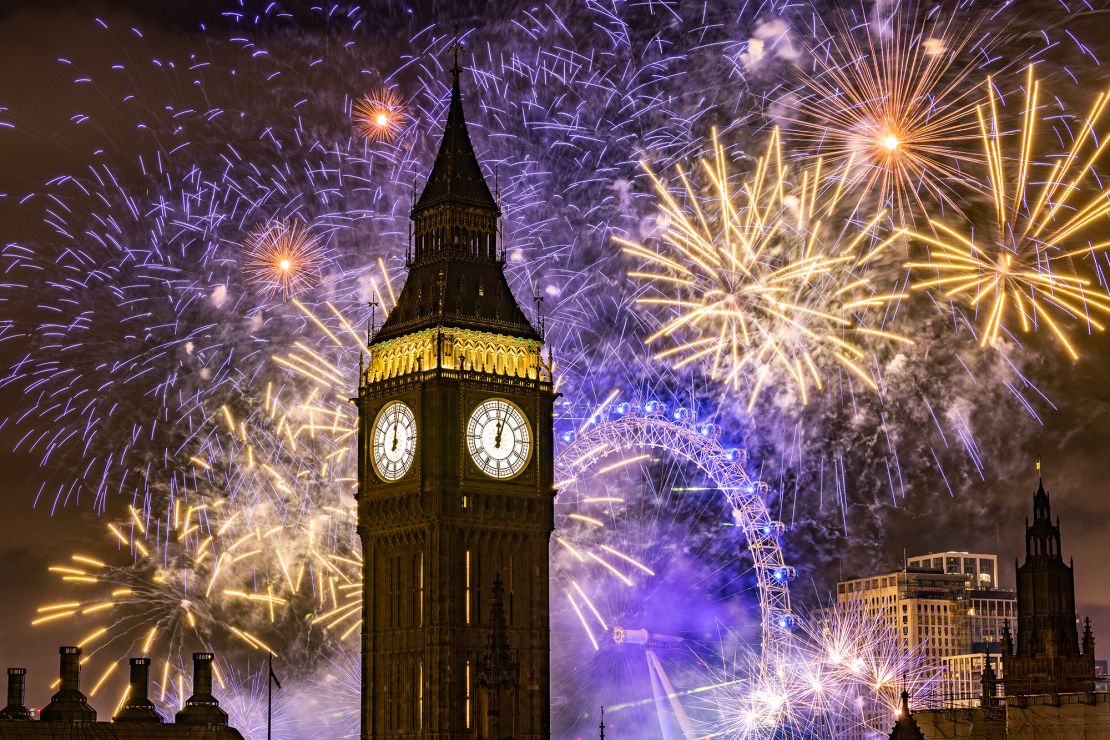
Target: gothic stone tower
[
  {"x": 1047, "y": 659},
  {"x": 455, "y": 480}
]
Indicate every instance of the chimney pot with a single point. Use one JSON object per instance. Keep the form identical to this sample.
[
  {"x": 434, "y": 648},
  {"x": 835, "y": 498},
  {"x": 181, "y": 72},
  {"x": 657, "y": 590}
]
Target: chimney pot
[
  {"x": 70, "y": 670},
  {"x": 202, "y": 673},
  {"x": 138, "y": 708},
  {"x": 140, "y": 675},
  {"x": 69, "y": 704},
  {"x": 202, "y": 708},
  {"x": 17, "y": 682}
]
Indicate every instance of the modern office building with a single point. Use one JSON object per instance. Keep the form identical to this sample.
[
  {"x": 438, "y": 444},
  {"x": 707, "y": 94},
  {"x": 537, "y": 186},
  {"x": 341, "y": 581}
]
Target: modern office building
[
  {"x": 930, "y": 609},
  {"x": 981, "y": 567},
  {"x": 949, "y": 608}
]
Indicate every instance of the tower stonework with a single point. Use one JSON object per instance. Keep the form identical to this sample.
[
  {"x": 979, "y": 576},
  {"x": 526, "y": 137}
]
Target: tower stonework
[
  {"x": 456, "y": 493},
  {"x": 1047, "y": 659}
]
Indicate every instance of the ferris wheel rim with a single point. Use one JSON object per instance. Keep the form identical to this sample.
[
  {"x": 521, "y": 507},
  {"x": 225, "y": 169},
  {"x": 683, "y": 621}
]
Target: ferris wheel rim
[{"x": 726, "y": 471}]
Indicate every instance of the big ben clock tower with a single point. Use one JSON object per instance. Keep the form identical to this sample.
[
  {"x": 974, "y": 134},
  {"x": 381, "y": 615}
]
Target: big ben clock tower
[{"x": 455, "y": 480}]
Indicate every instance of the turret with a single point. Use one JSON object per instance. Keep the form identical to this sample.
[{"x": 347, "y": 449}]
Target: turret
[
  {"x": 1046, "y": 657},
  {"x": 1007, "y": 639},
  {"x": 905, "y": 728},
  {"x": 989, "y": 683}
]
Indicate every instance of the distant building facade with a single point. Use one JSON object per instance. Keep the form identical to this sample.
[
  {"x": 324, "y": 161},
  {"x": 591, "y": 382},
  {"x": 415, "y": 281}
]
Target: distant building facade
[
  {"x": 949, "y": 607},
  {"x": 989, "y": 605},
  {"x": 962, "y": 684},
  {"x": 980, "y": 568},
  {"x": 989, "y": 610},
  {"x": 928, "y": 608}
]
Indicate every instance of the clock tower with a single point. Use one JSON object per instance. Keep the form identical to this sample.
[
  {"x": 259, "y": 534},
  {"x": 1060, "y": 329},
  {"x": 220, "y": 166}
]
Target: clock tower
[{"x": 455, "y": 497}]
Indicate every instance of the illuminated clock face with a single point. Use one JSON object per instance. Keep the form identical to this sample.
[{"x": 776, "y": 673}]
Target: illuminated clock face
[
  {"x": 498, "y": 437},
  {"x": 394, "y": 441}
]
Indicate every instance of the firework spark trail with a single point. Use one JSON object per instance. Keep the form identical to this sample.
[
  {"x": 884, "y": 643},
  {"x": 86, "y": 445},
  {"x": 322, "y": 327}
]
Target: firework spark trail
[
  {"x": 171, "y": 595},
  {"x": 239, "y": 570},
  {"x": 1028, "y": 269},
  {"x": 845, "y": 673},
  {"x": 198, "y": 200},
  {"x": 757, "y": 280},
  {"x": 626, "y": 554},
  {"x": 242, "y": 692}
]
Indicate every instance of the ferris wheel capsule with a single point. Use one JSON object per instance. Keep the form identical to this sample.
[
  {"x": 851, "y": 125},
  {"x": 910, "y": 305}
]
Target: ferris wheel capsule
[{"x": 784, "y": 573}]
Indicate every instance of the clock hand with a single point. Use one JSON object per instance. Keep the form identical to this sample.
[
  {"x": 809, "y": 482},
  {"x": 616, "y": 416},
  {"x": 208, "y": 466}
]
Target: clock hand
[
  {"x": 394, "y": 447},
  {"x": 497, "y": 439}
]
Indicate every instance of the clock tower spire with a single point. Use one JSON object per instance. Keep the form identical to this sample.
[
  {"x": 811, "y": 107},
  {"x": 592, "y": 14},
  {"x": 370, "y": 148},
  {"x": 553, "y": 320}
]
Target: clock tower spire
[{"x": 455, "y": 480}]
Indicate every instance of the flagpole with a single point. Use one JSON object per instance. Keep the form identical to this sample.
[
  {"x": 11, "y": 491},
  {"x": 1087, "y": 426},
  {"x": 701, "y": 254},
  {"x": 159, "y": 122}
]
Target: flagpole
[{"x": 269, "y": 694}]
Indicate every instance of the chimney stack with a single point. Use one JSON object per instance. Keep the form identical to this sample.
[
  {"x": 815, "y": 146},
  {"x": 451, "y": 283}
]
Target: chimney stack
[
  {"x": 70, "y": 672},
  {"x": 17, "y": 681},
  {"x": 138, "y": 708},
  {"x": 202, "y": 708},
  {"x": 69, "y": 704}
]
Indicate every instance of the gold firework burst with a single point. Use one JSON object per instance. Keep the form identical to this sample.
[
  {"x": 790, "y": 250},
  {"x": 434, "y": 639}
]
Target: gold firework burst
[
  {"x": 283, "y": 256},
  {"x": 893, "y": 109},
  {"x": 763, "y": 282},
  {"x": 1028, "y": 269},
  {"x": 380, "y": 116}
]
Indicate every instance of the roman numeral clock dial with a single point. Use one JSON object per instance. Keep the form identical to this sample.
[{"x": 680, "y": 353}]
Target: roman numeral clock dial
[
  {"x": 498, "y": 438},
  {"x": 394, "y": 441}
]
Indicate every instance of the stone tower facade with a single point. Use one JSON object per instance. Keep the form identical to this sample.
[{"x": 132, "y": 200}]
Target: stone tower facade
[
  {"x": 1047, "y": 659},
  {"x": 455, "y": 480}
]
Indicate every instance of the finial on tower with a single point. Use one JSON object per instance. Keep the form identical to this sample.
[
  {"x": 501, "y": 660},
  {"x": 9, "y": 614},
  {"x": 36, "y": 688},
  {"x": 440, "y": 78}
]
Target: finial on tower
[
  {"x": 1038, "y": 464},
  {"x": 455, "y": 47},
  {"x": 538, "y": 298},
  {"x": 370, "y": 326},
  {"x": 1088, "y": 639},
  {"x": 601, "y": 724}
]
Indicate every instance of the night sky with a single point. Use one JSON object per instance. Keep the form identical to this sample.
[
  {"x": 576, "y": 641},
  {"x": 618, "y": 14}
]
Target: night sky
[{"x": 37, "y": 95}]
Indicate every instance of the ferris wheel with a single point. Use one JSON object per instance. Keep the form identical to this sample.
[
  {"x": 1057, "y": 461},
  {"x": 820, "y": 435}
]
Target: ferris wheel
[
  {"x": 652, "y": 428},
  {"x": 612, "y": 561}
]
